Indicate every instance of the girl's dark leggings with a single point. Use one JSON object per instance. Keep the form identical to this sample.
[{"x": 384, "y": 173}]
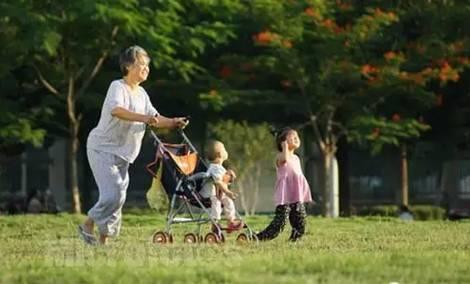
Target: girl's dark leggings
[{"x": 296, "y": 214}]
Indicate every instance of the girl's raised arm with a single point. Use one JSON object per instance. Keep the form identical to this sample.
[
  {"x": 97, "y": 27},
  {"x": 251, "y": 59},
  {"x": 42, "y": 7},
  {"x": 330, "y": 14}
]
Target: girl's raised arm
[{"x": 282, "y": 156}]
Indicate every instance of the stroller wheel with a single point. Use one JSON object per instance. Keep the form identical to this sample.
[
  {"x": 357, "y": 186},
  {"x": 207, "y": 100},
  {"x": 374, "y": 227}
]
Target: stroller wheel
[
  {"x": 190, "y": 238},
  {"x": 242, "y": 238},
  {"x": 212, "y": 238},
  {"x": 161, "y": 238}
]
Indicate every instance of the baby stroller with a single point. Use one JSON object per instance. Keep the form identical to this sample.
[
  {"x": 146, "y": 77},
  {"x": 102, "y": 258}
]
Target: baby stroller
[{"x": 183, "y": 173}]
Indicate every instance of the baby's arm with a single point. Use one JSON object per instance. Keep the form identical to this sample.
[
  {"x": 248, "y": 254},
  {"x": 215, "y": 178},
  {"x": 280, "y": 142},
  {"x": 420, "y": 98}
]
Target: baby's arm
[{"x": 221, "y": 185}]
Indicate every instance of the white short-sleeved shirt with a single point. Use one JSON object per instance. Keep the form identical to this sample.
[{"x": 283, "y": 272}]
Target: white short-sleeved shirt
[
  {"x": 117, "y": 136},
  {"x": 216, "y": 172}
]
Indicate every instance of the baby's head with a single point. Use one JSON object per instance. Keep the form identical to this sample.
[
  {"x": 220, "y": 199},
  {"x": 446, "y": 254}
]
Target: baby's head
[
  {"x": 216, "y": 151},
  {"x": 287, "y": 134}
]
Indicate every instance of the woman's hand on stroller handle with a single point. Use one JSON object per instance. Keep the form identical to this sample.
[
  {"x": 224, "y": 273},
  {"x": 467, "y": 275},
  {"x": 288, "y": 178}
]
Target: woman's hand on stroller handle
[{"x": 181, "y": 122}]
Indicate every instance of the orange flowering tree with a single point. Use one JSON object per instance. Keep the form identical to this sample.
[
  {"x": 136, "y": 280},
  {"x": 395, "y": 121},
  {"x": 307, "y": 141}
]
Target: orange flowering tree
[{"x": 367, "y": 71}]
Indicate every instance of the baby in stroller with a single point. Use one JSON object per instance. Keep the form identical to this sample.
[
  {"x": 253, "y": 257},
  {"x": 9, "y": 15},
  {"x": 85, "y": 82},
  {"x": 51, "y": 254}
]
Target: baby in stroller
[
  {"x": 216, "y": 188},
  {"x": 191, "y": 182}
]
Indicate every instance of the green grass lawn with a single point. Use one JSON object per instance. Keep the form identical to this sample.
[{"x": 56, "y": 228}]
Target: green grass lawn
[{"x": 46, "y": 249}]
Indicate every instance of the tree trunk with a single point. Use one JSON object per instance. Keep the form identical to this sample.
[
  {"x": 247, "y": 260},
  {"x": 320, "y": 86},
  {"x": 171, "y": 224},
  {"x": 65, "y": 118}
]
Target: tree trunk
[
  {"x": 330, "y": 194},
  {"x": 249, "y": 183},
  {"x": 404, "y": 175},
  {"x": 256, "y": 182},
  {"x": 74, "y": 144},
  {"x": 74, "y": 126},
  {"x": 24, "y": 174},
  {"x": 241, "y": 192},
  {"x": 344, "y": 188}
]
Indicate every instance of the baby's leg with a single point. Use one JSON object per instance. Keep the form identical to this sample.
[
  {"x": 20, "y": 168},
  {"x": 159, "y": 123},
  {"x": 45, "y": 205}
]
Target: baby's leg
[
  {"x": 277, "y": 224},
  {"x": 229, "y": 208},
  {"x": 297, "y": 220},
  {"x": 216, "y": 208}
]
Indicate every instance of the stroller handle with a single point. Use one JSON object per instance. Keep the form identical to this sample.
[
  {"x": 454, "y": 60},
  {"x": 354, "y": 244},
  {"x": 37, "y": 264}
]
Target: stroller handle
[
  {"x": 185, "y": 138},
  {"x": 181, "y": 132}
]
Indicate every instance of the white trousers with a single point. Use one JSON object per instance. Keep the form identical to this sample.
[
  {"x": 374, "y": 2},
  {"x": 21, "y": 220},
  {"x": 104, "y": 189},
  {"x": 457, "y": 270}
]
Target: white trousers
[
  {"x": 216, "y": 207},
  {"x": 112, "y": 177}
]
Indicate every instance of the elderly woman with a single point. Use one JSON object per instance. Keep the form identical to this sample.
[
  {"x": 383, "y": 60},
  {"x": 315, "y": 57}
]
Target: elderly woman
[{"x": 116, "y": 141}]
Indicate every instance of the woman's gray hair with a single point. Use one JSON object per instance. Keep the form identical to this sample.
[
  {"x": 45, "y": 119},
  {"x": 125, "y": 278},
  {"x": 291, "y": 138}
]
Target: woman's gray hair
[{"x": 129, "y": 56}]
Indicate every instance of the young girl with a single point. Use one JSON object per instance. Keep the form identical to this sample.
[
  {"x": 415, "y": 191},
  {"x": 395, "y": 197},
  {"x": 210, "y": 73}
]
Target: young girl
[{"x": 292, "y": 189}]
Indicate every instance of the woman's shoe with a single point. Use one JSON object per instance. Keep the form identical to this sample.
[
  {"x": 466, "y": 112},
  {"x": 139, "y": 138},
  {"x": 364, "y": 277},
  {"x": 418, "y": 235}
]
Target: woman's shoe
[{"x": 86, "y": 237}]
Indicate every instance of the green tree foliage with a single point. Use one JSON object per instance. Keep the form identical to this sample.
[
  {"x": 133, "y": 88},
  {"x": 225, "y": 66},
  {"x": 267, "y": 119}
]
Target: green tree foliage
[
  {"x": 21, "y": 114},
  {"x": 370, "y": 70},
  {"x": 67, "y": 44}
]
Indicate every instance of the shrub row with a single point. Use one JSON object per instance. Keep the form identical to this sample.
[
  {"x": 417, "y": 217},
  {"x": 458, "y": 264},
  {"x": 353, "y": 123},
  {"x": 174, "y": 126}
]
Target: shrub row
[{"x": 420, "y": 212}]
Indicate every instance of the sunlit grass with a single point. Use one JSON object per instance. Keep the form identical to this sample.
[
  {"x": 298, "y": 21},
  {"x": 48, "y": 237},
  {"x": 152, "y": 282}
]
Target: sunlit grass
[{"x": 40, "y": 249}]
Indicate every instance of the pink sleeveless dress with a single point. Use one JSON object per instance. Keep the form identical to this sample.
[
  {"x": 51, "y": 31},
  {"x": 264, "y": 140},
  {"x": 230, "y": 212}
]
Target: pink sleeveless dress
[{"x": 291, "y": 184}]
